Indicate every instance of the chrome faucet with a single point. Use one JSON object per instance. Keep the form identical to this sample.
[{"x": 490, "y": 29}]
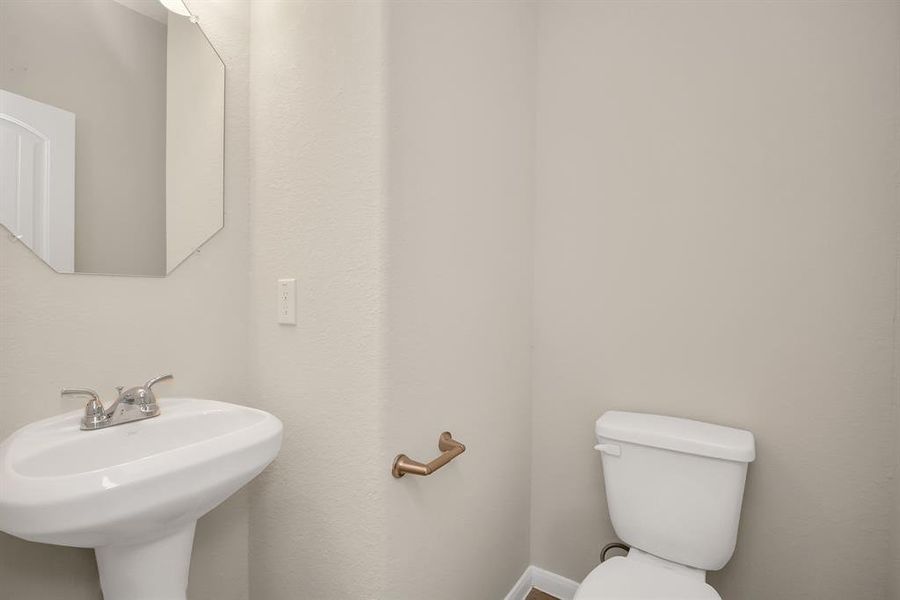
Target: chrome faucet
[{"x": 133, "y": 404}]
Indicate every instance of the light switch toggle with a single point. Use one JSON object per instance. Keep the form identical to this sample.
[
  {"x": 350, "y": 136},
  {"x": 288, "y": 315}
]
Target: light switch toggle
[{"x": 287, "y": 301}]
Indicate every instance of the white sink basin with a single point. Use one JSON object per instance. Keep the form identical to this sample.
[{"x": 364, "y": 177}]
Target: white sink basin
[{"x": 134, "y": 491}]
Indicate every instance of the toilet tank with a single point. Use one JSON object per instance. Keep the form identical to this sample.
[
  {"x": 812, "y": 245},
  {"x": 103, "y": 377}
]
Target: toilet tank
[{"x": 675, "y": 486}]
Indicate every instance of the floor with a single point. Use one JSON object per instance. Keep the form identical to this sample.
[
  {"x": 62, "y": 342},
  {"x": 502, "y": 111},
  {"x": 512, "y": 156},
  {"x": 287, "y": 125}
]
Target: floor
[{"x": 536, "y": 594}]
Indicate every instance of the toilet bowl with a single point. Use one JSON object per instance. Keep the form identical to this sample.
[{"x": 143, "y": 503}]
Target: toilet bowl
[
  {"x": 641, "y": 576},
  {"x": 674, "y": 488}
]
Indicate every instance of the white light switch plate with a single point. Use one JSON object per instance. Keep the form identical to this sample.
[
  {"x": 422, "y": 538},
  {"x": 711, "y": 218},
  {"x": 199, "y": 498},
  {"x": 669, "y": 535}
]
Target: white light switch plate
[{"x": 287, "y": 301}]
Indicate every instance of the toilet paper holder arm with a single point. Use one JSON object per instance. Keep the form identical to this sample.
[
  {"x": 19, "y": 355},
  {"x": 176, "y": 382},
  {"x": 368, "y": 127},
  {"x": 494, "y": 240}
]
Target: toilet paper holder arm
[{"x": 449, "y": 448}]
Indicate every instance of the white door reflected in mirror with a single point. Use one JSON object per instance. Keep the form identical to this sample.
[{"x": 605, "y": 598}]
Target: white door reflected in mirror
[{"x": 37, "y": 202}]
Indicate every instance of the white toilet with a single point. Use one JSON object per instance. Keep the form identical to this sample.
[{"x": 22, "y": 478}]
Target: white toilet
[{"x": 674, "y": 489}]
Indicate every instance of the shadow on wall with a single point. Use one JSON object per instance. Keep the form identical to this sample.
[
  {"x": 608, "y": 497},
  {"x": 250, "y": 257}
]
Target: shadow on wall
[{"x": 64, "y": 572}]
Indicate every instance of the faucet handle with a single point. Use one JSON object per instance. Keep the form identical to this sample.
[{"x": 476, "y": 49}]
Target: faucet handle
[
  {"x": 79, "y": 392},
  {"x": 147, "y": 398},
  {"x": 156, "y": 380},
  {"x": 94, "y": 413}
]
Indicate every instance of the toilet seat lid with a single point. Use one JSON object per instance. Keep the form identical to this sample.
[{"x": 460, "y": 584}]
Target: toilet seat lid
[{"x": 622, "y": 579}]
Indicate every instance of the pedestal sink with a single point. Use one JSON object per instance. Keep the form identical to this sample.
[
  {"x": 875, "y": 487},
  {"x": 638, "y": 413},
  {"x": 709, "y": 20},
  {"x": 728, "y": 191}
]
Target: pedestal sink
[{"x": 132, "y": 492}]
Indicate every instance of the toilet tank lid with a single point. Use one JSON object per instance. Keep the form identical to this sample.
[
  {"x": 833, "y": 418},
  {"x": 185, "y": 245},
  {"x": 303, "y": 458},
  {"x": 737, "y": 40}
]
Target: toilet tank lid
[{"x": 680, "y": 435}]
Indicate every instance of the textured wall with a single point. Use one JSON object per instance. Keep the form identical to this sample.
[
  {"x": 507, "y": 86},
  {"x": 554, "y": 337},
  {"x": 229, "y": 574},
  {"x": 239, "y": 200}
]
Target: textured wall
[
  {"x": 317, "y": 120},
  {"x": 895, "y": 526},
  {"x": 460, "y": 152},
  {"x": 64, "y": 330},
  {"x": 392, "y": 178},
  {"x": 716, "y": 231}
]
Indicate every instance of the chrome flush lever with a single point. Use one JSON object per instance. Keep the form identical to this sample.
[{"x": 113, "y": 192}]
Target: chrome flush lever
[{"x": 611, "y": 449}]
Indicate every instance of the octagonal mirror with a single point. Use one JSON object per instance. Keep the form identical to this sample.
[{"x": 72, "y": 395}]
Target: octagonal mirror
[{"x": 111, "y": 133}]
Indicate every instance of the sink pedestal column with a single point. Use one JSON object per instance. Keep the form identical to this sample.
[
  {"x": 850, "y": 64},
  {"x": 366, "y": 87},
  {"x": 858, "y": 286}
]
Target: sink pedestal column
[{"x": 154, "y": 570}]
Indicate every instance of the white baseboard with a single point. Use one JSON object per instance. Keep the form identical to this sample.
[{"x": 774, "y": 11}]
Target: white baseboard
[
  {"x": 522, "y": 587},
  {"x": 535, "y": 577}
]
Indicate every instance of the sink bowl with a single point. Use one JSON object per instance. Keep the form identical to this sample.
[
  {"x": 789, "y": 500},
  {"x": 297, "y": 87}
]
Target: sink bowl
[{"x": 134, "y": 491}]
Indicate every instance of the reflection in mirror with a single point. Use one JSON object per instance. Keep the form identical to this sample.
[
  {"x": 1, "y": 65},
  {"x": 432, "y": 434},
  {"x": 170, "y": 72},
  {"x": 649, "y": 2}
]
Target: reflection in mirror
[{"x": 111, "y": 134}]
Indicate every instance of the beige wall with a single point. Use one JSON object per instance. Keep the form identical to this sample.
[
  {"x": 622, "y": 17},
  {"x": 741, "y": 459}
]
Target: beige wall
[
  {"x": 716, "y": 234},
  {"x": 96, "y": 331},
  {"x": 107, "y": 64},
  {"x": 317, "y": 123},
  {"x": 460, "y": 197},
  {"x": 895, "y": 525},
  {"x": 392, "y": 178}
]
